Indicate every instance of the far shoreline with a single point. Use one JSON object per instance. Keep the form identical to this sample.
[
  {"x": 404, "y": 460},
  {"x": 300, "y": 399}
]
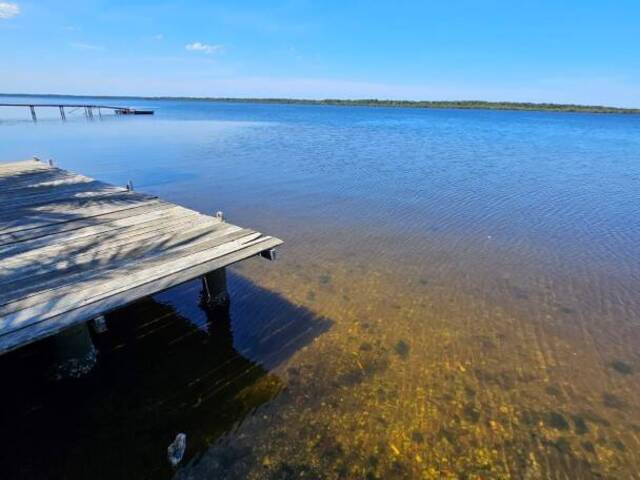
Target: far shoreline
[{"x": 417, "y": 104}]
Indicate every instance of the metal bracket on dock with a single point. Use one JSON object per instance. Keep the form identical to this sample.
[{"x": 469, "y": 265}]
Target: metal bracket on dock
[{"x": 269, "y": 254}]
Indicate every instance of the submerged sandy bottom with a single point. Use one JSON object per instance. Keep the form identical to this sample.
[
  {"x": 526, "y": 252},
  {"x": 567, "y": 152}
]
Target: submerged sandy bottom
[{"x": 453, "y": 367}]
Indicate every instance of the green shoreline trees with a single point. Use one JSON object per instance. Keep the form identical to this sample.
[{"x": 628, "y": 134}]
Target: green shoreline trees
[{"x": 457, "y": 104}]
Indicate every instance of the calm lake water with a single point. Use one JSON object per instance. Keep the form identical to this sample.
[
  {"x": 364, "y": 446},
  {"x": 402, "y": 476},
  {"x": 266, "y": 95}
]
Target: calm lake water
[{"x": 458, "y": 296}]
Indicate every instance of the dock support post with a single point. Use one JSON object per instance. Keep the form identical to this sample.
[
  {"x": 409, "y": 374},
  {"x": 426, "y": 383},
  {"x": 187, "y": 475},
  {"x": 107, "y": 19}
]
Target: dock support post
[
  {"x": 270, "y": 254},
  {"x": 74, "y": 352},
  {"x": 214, "y": 289},
  {"x": 62, "y": 114},
  {"x": 99, "y": 324},
  {"x": 33, "y": 113}
]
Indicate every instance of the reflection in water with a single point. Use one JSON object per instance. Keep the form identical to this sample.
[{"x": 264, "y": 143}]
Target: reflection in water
[{"x": 159, "y": 373}]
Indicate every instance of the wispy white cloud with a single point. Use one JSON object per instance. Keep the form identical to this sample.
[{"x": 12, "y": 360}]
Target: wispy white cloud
[
  {"x": 85, "y": 46},
  {"x": 203, "y": 47},
  {"x": 158, "y": 36},
  {"x": 8, "y": 10}
]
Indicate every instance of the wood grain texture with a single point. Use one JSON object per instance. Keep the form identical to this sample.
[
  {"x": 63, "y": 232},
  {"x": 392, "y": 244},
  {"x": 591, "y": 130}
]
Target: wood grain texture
[{"x": 72, "y": 248}]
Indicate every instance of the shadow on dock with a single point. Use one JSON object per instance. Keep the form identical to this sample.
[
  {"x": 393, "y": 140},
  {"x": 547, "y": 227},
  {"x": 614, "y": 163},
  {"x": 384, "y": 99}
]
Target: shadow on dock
[
  {"x": 73, "y": 248},
  {"x": 165, "y": 366}
]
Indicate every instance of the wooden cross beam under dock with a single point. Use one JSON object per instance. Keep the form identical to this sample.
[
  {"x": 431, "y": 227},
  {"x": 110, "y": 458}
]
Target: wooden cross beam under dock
[{"x": 73, "y": 248}]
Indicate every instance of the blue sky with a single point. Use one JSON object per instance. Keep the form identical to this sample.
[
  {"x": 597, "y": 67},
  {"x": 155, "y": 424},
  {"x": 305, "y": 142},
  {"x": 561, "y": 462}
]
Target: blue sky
[{"x": 559, "y": 51}]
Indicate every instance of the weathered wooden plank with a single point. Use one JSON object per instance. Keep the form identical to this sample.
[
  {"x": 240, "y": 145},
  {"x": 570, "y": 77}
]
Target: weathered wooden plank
[
  {"x": 89, "y": 237},
  {"x": 84, "y": 190},
  {"x": 32, "y": 266},
  {"x": 69, "y": 284},
  {"x": 39, "y": 307},
  {"x": 81, "y": 222},
  {"x": 22, "y": 165},
  {"x": 72, "y": 248},
  {"x": 60, "y": 212},
  {"x": 41, "y": 312},
  {"x": 86, "y": 196},
  {"x": 27, "y": 166},
  {"x": 97, "y": 215},
  {"x": 11, "y": 190},
  {"x": 30, "y": 178},
  {"x": 58, "y": 323},
  {"x": 139, "y": 233},
  {"x": 116, "y": 227},
  {"x": 24, "y": 185},
  {"x": 34, "y": 178},
  {"x": 21, "y": 282}
]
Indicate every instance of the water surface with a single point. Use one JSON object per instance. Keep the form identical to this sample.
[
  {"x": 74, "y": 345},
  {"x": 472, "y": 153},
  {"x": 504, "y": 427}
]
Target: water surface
[{"x": 457, "y": 297}]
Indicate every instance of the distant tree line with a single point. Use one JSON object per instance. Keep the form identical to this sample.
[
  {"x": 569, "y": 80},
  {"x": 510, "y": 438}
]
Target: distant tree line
[
  {"x": 459, "y": 104},
  {"x": 374, "y": 102}
]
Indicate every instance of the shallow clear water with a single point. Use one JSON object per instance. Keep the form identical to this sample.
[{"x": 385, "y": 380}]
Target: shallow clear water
[{"x": 457, "y": 296}]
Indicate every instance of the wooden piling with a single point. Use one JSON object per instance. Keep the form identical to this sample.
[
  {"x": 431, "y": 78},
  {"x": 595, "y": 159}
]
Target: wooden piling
[
  {"x": 214, "y": 289},
  {"x": 88, "y": 109},
  {"x": 75, "y": 354}
]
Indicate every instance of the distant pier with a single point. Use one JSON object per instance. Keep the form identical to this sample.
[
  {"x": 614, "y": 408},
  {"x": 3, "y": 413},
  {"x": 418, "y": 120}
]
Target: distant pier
[
  {"x": 90, "y": 111},
  {"x": 73, "y": 248}
]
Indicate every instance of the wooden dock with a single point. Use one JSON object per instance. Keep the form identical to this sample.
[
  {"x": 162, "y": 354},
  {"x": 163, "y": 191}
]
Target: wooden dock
[
  {"x": 73, "y": 248},
  {"x": 89, "y": 109}
]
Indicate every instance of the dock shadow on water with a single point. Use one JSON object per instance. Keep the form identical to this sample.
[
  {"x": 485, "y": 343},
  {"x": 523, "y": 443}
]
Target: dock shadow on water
[{"x": 164, "y": 368}]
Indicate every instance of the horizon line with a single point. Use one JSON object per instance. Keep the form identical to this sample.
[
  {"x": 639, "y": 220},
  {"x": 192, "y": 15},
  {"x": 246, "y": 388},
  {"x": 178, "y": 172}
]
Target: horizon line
[{"x": 388, "y": 102}]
